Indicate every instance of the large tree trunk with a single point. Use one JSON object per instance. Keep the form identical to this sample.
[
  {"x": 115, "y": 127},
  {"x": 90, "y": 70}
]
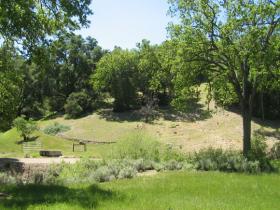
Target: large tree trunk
[
  {"x": 246, "y": 115},
  {"x": 246, "y": 104}
]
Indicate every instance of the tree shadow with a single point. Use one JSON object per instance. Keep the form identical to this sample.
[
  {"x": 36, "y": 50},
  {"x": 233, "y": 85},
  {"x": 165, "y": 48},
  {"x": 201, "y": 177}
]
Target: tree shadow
[
  {"x": 128, "y": 116},
  {"x": 195, "y": 113},
  {"x": 24, "y": 196},
  {"x": 11, "y": 165},
  {"x": 31, "y": 139},
  {"x": 274, "y": 124},
  {"x": 275, "y": 134},
  {"x": 52, "y": 116},
  {"x": 168, "y": 113}
]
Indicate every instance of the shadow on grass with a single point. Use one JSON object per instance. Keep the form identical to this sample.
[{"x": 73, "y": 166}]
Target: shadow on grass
[
  {"x": 23, "y": 196},
  {"x": 31, "y": 139},
  {"x": 11, "y": 164},
  {"x": 274, "y": 134},
  {"x": 196, "y": 113}
]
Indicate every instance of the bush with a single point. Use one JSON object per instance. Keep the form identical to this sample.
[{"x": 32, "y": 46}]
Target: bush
[
  {"x": 137, "y": 146},
  {"x": 230, "y": 161},
  {"x": 25, "y": 127},
  {"x": 103, "y": 174},
  {"x": 172, "y": 165},
  {"x": 116, "y": 72},
  {"x": 56, "y": 128},
  {"x": 258, "y": 152},
  {"x": 127, "y": 173},
  {"x": 143, "y": 165},
  {"x": 77, "y": 103},
  {"x": 7, "y": 179},
  {"x": 275, "y": 151}
]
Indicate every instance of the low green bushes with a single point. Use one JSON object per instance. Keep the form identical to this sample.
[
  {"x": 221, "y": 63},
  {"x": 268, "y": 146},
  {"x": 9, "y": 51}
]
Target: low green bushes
[
  {"x": 275, "y": 151},
  {"x": 229, "y": 161},
  {"x": 257, "y": 161},
  {"x": 139, "y": 145},
  {"x": 139, "y": 153},
  {"x": 56, "y": 128}
]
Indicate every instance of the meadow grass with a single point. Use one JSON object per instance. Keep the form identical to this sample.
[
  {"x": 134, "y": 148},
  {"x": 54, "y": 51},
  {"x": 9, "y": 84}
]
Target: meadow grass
[
  {"x": 10, "y": 146},
  {"x": 170, "y": 190}
]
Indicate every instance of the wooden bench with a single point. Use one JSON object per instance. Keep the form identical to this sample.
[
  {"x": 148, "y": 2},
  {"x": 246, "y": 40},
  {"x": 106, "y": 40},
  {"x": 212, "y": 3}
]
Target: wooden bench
[{"x": 49, "y": 153}]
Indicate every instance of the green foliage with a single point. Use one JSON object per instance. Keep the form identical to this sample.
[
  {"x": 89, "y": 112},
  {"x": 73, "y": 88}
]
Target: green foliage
[
  {"x": 173, "y": 190},
  {"x": 185, "y": 99},
  {"x": 224, "y": 93},
  {"x": 77, "y": 104},
  {"x": 172, "y": 165},
  {"x": 127, "y": 173},
  {"x": 232, "y": 42},
  {"x": 275, "y": 151},
  {"x": 32, "y": 21},
  {"x": 25, "y": 127},
  {"x": 258, "y": 152},
  {"x": 230, "y": 161},
  {"x": 56, "y": 128},
  {"x": 6, "y": 178},
  {"x": 11, "y": 68},
  {"x": 137, "y": 146},
  {"x": 154, "y": 73},
  {"x": 117, "y": 73}
]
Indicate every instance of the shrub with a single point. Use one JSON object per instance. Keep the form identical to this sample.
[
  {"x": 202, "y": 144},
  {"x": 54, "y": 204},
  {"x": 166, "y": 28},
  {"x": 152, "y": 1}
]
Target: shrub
[
  {"x": 127, "y": 173},
  {"x": 172, "y": 165},
  {"x": 56, "y": 128},
  {"x": 143, "y": 165},
  {"x": 258, "y": 152},
  {"x": 25, "y": 127},
  {"x": 137, "y": 146},
  {"x": 230, "y": 161},
  {"x": 77, "y": 104},
  {"x": 103, "y": 174},
  {"x": 5, "y": 178},
  {"x": 169, "y": 153},
  {"x": 117, "y": 73},
  {"x": 275, "y": 151}
]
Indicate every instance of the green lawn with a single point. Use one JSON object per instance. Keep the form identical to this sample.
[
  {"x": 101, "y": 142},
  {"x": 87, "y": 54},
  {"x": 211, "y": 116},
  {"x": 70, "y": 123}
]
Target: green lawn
[
  {"x": 10, "y": 146},
  {"x": 172, "y": 190}
]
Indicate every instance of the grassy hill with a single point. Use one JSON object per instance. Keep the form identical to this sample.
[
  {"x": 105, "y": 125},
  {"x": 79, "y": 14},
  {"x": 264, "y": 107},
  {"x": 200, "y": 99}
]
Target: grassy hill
[{"x": 189, "y": 131}]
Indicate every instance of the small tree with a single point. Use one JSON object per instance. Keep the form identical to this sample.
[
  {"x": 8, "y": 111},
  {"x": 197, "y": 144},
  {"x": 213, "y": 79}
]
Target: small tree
[
  {"x": 77, "y": 104},
  {"x": 117, "y": 74},
  {"x": 25, "y": 127}
]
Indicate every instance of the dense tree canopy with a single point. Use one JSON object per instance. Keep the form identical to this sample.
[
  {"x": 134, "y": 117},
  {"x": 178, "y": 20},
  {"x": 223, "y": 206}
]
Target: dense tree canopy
[
  {"x": 28, "y": 22},
  {"x": 11, "y": 83},
  {"x": 116, "y": 73}
]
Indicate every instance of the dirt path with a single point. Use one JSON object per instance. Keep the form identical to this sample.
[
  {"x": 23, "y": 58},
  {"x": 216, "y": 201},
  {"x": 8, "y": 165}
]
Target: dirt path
[{"x": 48, "y": 160}]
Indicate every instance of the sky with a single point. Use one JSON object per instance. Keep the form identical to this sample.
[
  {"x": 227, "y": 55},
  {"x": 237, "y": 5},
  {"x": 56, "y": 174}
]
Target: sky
[{"x": 124, "y": 23}]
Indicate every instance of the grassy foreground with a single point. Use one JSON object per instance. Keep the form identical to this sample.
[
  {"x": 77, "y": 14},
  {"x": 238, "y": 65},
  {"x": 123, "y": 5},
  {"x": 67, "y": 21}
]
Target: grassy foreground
[{"x": 172, "y": 190}]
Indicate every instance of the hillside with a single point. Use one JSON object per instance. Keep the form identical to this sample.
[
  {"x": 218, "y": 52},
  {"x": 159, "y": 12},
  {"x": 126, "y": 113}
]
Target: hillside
[{"x": 189, "y": 133}]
